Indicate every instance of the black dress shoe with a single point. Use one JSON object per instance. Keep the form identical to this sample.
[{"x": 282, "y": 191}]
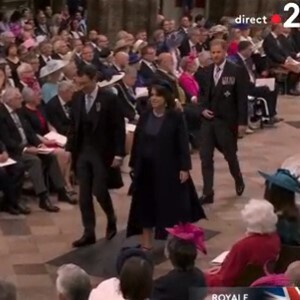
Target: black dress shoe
[
  {"x": 207, "y": 199},
  {"x": 47, "y": 205},
  {"x": 239, "y": 187},
  {"x": 23, "y": 209},
  {"x": 111, "y": 230},
  {"x": 85, "y": 240},
  {"x": 11, "y": 210},
  {"x": 63, "y": 197}
]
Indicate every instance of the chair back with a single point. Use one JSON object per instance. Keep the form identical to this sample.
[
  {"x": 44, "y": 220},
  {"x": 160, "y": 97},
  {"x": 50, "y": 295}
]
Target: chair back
[
  {"x": 288, "y": 254},
  {"x": 249, "y": 275}
]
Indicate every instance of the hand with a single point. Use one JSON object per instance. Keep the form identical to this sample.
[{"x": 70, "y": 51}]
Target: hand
[
  {"x": 242, "y": 130},
  {"x": 207, "y": 114},
  {"x": 194, "y": 99},
  {"x": 214, "y": 270},
  {"x": 3, "y": 157},
  {"x": 183, "y": 176},
  {"x": 32, "y": 150},
  {"x": 117, "y": 162},
  {"x": 265, "y": 73}
]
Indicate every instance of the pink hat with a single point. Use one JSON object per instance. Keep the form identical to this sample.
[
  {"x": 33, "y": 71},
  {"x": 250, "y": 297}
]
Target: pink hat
[
  {"x": 189, "y": 232},
  {"x": 29, "y": 43},
  {"x": 278, "y": 280}
]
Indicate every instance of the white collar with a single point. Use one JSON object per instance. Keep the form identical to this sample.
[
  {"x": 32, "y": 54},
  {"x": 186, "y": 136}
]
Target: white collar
[
  {"x": 10, "y": 110},
  {"x": 242, "y": 57},
  {"x": 62, "y": 102},
  {"x": 192, "y": 44},
  {"x": 221, "y": 66},
  {"x": 274, "y": 35},
  {"x": 94, "y": 93},
  {"x": 148, "y": 63}
]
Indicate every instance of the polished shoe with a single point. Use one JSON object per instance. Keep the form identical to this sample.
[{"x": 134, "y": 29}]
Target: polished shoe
[
  {"x": 206, "y": 199},
  {"x": 11, "y": 210},
  {"x": 47, "y": 205},
  {"x": 239, "y": 187},
  {"x": 85, "y": 240},
  {"x": 23, "y": 209},
  {"x": 111, "y": 229},
  {"x": 63, "y": 197}
]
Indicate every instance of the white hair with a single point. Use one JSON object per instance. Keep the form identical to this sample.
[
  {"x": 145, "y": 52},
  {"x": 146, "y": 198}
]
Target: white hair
[
  {"x": 7, "y": 291},
  {"x": 9, "y": 93},
  {"x": 22, "y": 68},
  {"x": 65, "y": 85},
  {"x": 293, "y": 273},
  {"x": 73, "y": 282},
  {"x": 259, "y": 217},
  {"x": 27, "y": 94}
]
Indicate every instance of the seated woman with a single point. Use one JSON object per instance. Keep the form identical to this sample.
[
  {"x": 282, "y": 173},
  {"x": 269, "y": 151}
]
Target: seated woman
[
  {"x": 260, "y": 245},
  {"x": 280, "y": 191},
  {"x": 187, "y": 80},
  {"x": 185, "y": 280},
  {"x": 34, "y": 114},
  {"x": 110, "y": 288}
]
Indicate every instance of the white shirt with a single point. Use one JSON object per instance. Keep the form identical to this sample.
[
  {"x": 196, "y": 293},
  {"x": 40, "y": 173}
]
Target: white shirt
[
  {"x": 149, "y": 64},
  {"x": 93, "y": 96},
  {"x": 219, "y": 70}
]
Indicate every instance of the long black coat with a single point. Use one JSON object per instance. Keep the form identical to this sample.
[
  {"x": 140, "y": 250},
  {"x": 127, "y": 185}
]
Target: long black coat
[{"x": 175, "y": 202}]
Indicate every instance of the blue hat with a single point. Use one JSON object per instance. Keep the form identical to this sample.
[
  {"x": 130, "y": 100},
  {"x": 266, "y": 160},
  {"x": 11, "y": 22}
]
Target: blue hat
[
  {"x": 127, "y": 253},
  {"x": 134, "y": 59},
  {"x": 284, "y": 179},
  {"x": 241, "y": 26},
  {"x": 175, "y": 39}
]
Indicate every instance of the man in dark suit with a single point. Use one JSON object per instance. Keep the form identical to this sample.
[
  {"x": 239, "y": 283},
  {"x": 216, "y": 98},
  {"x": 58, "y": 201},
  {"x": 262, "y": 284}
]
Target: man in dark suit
[
  {"x": 126, "y": 94},
  {"x": 244, "y": 60},
  {"x": 192, "y": 43},
  {"x": 58, "y": 108},
  {"x": 277, "y": 55},
  {"x": 224, "y": 112},
  {"x": 23, "y": 145},
  {"x": 148, "y": 66},
  {"x": 45, "y": 53},
  {"x": 11, "y": 181},
  {"x": 97, "y": 142}
]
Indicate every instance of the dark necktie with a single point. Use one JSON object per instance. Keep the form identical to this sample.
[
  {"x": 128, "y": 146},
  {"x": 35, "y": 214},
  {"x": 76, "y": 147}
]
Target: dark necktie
[{"x": 67, "y": 110}]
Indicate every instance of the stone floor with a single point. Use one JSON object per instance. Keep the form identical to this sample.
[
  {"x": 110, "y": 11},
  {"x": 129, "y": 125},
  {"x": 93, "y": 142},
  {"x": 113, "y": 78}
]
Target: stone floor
[{"x": 27, "y": 243}]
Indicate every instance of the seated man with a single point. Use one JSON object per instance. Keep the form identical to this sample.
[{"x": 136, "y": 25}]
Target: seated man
[
  {"x": 279, "y": 55},
  {"x": 244, "y": 60},
  {"x": 23, "y": 145},
  {"x": 58, "y": 108},
  {"x": 11, "y": 180}
]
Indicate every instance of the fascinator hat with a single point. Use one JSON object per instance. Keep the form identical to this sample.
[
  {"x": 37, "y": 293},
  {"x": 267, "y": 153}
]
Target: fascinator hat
[
  {"x": 283, "y": 178},
  {"x": 190, "y": 233},
  {"x": 175, "y": 39}
]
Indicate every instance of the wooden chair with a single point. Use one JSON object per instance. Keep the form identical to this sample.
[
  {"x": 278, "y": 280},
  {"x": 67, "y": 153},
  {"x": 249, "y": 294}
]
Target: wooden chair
[{"x": 288, "y": 254}]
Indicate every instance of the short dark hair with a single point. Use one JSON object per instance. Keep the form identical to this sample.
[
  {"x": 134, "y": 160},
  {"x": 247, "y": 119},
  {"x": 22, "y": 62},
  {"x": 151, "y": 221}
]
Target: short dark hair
[
  {"x": 219, "y": 42},
  {"x": 243, "y": 45},
  {"x": 88, "y": 70},
  {"x": 145, "y": 49},
  {"x": 164, "y": 89},
  {"x": 136, "y": 279},
  {"x": 182, "y": 253}
]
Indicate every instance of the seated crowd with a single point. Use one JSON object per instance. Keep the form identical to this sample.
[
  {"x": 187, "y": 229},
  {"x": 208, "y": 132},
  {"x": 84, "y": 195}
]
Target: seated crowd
[{"x": 39, "y": 61}]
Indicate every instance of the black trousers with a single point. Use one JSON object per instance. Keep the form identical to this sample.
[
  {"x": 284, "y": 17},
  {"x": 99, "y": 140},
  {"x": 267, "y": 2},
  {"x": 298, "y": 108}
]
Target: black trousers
[
  {"x": 11, "y": 181},
  {"x": 92, "y": 177},
  {"x": 217, "y": 134},
  {"x": 271, "y": 97}
]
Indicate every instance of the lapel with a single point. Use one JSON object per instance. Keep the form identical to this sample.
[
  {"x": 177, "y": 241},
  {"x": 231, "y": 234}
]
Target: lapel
[
  {"x": 127, "y": 96},
  {"x": 11, "y": 122}
]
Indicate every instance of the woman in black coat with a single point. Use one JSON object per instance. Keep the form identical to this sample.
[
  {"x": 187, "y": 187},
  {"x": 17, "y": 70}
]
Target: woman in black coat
[{"x": 163, "y": 193}]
